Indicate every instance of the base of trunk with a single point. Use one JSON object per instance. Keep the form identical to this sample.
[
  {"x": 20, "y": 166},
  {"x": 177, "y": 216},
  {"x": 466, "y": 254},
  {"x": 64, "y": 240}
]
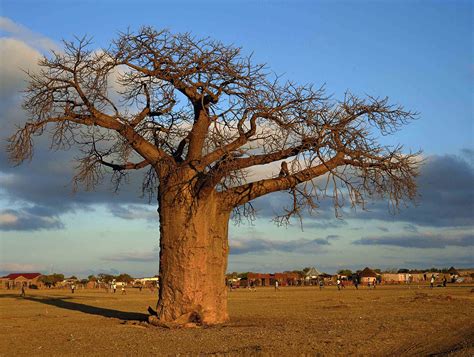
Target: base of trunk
[{"x": 189, "y": 320}]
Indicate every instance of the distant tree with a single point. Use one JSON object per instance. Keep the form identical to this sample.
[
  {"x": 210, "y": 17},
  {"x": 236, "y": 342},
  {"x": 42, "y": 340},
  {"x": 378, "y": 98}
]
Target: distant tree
[
  {"x": 51, "y": 280},
  {"x": 403, "y": 271},
  {"x": 125, "y": 278},
  {"x": 300, "y": 273},
  {"x": 346, "y": 272},
  {"x": 378, "y": 271},
  {"x": 199, "y": 116},
  {"x": 73, "y": 277},
  {"x": 243, "y": 275},
  {"x": 84, "y": 281},
  {"x": 91, "y": 278},
  {"x": 105, "y": 278}
]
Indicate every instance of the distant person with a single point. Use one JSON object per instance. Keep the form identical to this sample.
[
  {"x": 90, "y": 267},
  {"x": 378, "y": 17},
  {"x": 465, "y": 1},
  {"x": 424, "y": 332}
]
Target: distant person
[
  {"x": 432, "y": 281},
  {"x": 338, "y": 283},
  {"x": 321, "y": 284},
  {"x": 356, "y": 283},
  {"x": 276, "y": 285},
  {"x": 444, "y": 282},
  {"x": 123, "y": 290},
  {"x": 375, "y": 283},
  {"x": 343, "y": 284},
  {"x": 23, "y": 292},
  {"x": 424, "y": 276},
  {"x": 73, "y": 288},
  {"x": 368, "y": 283},
  {"x": 114, "y": 287},
  {"x": 140, "y": 288}
]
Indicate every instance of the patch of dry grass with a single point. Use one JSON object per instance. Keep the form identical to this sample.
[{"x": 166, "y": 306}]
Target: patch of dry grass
[{"x": 391, "y": 320}]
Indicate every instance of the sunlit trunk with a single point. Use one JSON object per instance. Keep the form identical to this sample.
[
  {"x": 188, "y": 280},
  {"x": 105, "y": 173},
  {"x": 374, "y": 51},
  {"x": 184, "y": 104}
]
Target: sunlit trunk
[{"x": 193, "y": 260}]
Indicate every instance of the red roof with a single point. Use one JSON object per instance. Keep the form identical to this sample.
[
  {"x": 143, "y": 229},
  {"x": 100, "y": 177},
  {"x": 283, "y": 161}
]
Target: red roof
[{"x": 25, "y": 275}]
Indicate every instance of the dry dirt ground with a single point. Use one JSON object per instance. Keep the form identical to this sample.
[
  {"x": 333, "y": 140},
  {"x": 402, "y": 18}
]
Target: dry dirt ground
[{"x": 387, "y": 321}]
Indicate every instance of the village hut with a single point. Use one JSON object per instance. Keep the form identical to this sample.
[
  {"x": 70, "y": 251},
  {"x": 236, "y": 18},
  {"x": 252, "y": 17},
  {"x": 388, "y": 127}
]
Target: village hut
[
  {"x": 311, "y": 276},
  {"x": 453, "y": 274},
  {"x": 17, "y": 280},
  {"x": 367, "y": 275}
]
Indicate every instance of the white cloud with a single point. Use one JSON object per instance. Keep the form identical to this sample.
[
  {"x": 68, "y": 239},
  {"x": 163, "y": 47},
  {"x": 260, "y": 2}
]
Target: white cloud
[
  {"x": 20, "y": 268},
  {"x": 25, "y": 35},
  {"x": 16, "y": 57},
  {"x": 132, "y": 257}
]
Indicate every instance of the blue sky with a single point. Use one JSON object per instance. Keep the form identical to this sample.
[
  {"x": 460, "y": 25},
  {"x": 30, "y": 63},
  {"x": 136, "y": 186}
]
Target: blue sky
[{"x": 419, "y": 53}]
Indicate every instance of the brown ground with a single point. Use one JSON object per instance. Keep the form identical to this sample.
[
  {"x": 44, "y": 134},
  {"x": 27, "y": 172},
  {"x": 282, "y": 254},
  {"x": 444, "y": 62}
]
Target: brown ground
[{"x": 388, "y": 321}]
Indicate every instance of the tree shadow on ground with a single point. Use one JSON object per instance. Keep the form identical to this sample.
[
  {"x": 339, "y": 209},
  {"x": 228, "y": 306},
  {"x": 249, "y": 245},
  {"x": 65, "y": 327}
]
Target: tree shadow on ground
[{"x": 88, "y": 309}]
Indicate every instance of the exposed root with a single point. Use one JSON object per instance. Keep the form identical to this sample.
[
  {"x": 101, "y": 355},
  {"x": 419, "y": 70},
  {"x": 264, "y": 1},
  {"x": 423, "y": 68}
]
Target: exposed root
[{"x": 189, "y": 320}]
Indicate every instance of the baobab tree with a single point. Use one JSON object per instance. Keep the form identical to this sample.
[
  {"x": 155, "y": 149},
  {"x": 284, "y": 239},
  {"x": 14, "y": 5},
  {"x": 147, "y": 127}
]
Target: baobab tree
[{"x": 198, "y": 116}]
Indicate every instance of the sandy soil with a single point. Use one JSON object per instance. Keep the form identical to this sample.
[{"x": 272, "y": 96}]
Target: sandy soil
[{"x": 388, "y": 321}]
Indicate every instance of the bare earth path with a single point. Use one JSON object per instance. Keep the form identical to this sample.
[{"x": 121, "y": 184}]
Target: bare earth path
[{"x": 388, "y": 321}]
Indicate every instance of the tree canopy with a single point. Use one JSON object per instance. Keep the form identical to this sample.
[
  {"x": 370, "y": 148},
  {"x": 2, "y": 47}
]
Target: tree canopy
[{"x": 161, "y": 101}]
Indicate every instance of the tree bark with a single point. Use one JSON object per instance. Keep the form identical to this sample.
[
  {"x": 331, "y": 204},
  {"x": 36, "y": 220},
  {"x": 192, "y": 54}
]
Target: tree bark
[{"x": 193, "y": 259}]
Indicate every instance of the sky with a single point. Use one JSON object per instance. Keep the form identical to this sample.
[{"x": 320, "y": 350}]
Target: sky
[{"x": 418, "y": 53}]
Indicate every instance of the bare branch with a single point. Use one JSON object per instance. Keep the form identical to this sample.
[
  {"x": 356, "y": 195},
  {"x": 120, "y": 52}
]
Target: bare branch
[{"x": 203, "y": 116}]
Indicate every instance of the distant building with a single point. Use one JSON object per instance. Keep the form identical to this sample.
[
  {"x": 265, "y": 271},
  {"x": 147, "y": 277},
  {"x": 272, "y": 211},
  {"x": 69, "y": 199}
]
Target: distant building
[
  {"x": 453, "y": 272},
  {"x": 146, "y": 282},
  {"x": 311, "y": 276},
  {"x": 399, "y": 278},
  {"x": 284, "y": 279},
  {"x": 17, "y": 280},
  {"x": 367, "y": 275},
  {"x": 259, "y": 279}
]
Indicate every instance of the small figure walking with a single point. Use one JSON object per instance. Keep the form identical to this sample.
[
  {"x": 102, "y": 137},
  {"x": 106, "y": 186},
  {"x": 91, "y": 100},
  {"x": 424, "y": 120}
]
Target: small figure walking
[
  {"x": 123, "y": 290},
  {"x": 444, "y": 282},
  {"x": 432, "y": 281},
  {"x": 276, "y": 285},
  {"x": 114, "y": 287},
  {"x": 321, "y": 284},
  {"x": 356, "y": 283},
  {"x": 73, "y": 288},
  {"x": 23, "y": 292},
  {"x": 338, "y": 283}
]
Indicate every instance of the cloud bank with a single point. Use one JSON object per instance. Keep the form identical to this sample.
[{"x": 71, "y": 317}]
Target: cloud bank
[
  {"x": 421, "y": 240},
  {"x": 243, "y": 246}
]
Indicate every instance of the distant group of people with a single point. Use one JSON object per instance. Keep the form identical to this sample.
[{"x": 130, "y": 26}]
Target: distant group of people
[{"x": 433, "y": 280}]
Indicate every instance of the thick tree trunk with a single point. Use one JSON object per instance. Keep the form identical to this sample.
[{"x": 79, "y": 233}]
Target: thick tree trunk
[{"x": 193, "y": 260}]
